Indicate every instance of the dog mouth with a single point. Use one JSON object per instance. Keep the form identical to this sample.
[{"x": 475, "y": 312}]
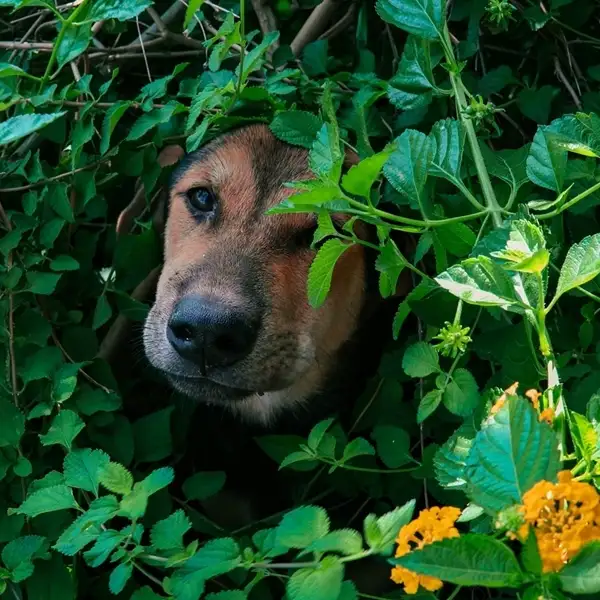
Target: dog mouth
[{"x": 203, "y": 388}]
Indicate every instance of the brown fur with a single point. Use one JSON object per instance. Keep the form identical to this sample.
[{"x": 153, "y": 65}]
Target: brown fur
[{"x": 244, "y": 259}]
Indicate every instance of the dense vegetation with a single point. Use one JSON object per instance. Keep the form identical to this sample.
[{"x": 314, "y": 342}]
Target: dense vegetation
[{"x": 475, "y": 126}]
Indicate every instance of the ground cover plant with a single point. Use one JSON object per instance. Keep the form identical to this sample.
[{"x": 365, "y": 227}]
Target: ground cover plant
[{"x": 471, "y": 468}]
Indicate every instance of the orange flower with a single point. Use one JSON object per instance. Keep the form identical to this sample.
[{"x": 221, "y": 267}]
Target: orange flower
[
  {"x": 509, "y": 391},
  {"x": 547, "y": 415},
  {"x": 564, "y": 516},
  {"x": 432, "y": 525},
  {"x": 534, "y": 396}
]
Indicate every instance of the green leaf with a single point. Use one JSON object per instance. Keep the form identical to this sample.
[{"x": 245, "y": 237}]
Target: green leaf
[
  {"x": 296, "y": 127},
  {"x": 581, "y": 575},
  {"x": 64, "y": 381},
  {"x": 152, "y": 433},
  {"x": 102, "y": 312},
  {"x": 192, "y": 8},
  {"x": 302, "y": 526},
  {"x": 157, "y": 480},
  {"x": 448, "y": 139},
  {"x": 278, "y": 447},
  {"x": 482, "y": 282},
  {"x": 413, "y": 85},
  {"x": 297, "y": 457},
  {"x": 325, "y": 158},
  {"x": 82, "y": 469},
  {"x": 321, "y": 270},
  {"x": 116, "y": 478},
  {"x": 381, "y": 533},
  {"x": 457, "y": 238},
  {"x": 51, "y": 580},
  {"x": 74, "y": 42},
  {"x": 23, "y": 467},
  {"x": 584, "y": 435},
  {"x": 420, "y": 360},
  {"x": 407, "y": 167},
  {"x": 390, "y": 264},
  {"x": 393, "y": 445},
  {"x": 428, "y": 405},
  {"x": 203, "y": 485},
  {"x": 64, "y": 262},
  {"x": 450, "y": 459},
  {"x": 43, "y": 284},
  {"x": 111, "y": 118},
  {"x": 537, "y": 103},
  {"x": 317, "y": 432},
  {"x": 58, "y": 199},
  {"x": 168, "y": 533},
  {"x": 357, "y": 447},
  {"x": 12, "y": 424},
  {"x": 121, "y": 10},
  {"x": 461, "y": 395},
  {"x": 150, "y": 120},
  {"x": 119, "y": 577},
  {"x": 511, "y": 453},
  {"x": 19, "y": 553},
  {"x": 105, "y": 544},
  {"x": 547, "y": 161},
  {"x": 18, "y": 127},
  {"x": 8, "y": 70},
  {"x": 342, "y": 541},
  {"x": 469, "y": 560},
  {"x": 361, "y": 177},
  {"x": 49, "y": 499},
  {"x": 134, "y": 504},
  {"x": 65, "y": 427},
  {"x": 582, "y": 264},
  {"x": 423, "y": 18},
  {"x": 321, "y": 583}
]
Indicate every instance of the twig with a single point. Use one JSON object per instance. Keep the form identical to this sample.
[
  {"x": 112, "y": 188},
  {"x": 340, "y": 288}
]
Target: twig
[
  {"x": 341, "y": 25},
  {"x": 137, "y": 22},
  {"x": 563, "y": 79},
  {"x": 175, "y": 54},
  {"x": 23, "y": 188},
  {"x": 45, "y": 46},
  {"x": 31, "y": 30},
  {"x": 266, "y": 18},
  {"x": 11, "y": 319},
  {"x": 165, "y": 19},
  {"x": 314, "y": 25}
]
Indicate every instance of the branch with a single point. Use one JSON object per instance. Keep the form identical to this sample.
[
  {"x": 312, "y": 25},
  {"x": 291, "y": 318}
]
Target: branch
[
  {"x": 315, "y": 25},
  {"x": 266, "y": 17},
  {"x": 563, "y": 79},
  {"x": 163, "y": 21}
]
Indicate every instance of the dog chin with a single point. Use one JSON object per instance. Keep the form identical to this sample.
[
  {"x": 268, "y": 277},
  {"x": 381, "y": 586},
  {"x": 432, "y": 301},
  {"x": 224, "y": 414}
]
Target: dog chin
[{"x": 205, "y": 390}]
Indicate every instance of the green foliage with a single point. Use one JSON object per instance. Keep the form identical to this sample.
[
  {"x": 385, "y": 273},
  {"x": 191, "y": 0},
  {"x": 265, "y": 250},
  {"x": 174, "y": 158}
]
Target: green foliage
[{"x": 461, "y": 138}]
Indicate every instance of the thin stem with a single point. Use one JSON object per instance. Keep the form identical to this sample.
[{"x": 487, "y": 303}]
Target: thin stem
[
  {"x": 571, "y": 202},
  {"x": 365, "y": 469}
]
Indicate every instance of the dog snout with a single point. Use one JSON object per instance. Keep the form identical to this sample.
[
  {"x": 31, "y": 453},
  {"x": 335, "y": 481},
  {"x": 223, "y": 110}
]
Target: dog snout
[{"x": 210, "y": 333}]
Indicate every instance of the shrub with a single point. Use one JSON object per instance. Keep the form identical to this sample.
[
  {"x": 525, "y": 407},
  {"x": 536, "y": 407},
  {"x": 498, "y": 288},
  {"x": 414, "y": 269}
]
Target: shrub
[{"x": 496, "y": 351}]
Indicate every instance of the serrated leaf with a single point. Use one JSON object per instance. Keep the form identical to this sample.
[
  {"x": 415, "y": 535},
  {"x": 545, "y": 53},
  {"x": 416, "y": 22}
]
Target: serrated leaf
[
  {"x": 583, "y": 434},
  {"x": 582, "y": 264},
  {"x": 105, "y": 544},
  {"x": 203, "y": 485},
  {"x": 388, "y": 526},
  {"x": 74, "y": 42},
  {"x": 121, "y": 10},
  {"x": 321, "y": 583},
  {"x": 19, "y": 553},
  {"x": 111, "y": 118},
  {"x": 428, "y": 405},
  {"x": 150, "y": 120},
  {"x": 302, "y": 526},
  {"x": 65, "y": 427},
  {"x": 407, "y": 167},
  {"x": 448, "y": 138},
  {"x": 461, "y": 395},
  {"x": 361, "y": 177},
  {"x": 192, "y": 8},
  {"x": 157, "y": 480},
  {"x": 342, "y": 541},
  {"x": 420, "y": 360},
  {"x": 511, "y": 453},
  {"x": 471, "y": 559},
  {"x": 82, "y": 468},
  {"x": 547, "y": 161},
  {"x": 18, "y": 127},
  {"x": 317, "y": 432},
  {"x": 482, "y": 282},
  {"x": 390, "y": 264},
  {"x": 325, "y": 158},
  {"x": 49, "y": 499},
  {"x": 423, "y": 18},
  {"x": 168, "y": 533},
  {"x": 357, "y": 447},
  {"x": 296, "y": 127},
  {"x": 116, "y": 478},
  {"x": 581, "y": 575},
  {"x": 393, "y": 445},
  {"x": 321, "y": 270},
  {"x": 451, "y": 458}
]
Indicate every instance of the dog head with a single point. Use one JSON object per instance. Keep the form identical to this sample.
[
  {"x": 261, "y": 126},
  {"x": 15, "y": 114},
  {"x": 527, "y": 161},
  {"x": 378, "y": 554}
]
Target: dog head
[{"x": 231, "y": 323}]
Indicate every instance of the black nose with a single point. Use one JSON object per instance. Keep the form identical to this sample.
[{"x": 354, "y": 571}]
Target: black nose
[{"x": 209, "y": 333}]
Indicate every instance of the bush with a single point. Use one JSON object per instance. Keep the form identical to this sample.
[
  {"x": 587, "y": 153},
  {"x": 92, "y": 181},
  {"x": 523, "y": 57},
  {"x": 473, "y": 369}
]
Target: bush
[{"x": 475, "y": 130}]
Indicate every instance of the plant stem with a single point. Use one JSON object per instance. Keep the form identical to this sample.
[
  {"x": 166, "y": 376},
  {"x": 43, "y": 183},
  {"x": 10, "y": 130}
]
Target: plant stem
[{"x": 571, "y": 202}]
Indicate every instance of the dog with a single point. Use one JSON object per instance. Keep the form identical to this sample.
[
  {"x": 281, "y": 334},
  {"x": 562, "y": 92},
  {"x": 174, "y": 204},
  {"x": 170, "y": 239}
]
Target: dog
[{"x": 231, "y": 324}]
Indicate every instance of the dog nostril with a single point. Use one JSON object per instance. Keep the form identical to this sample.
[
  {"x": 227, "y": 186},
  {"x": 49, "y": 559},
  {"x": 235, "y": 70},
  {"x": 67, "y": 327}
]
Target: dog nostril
[
  {"x": 229, "y": 344},
  {"x": 183, "y": 332}
]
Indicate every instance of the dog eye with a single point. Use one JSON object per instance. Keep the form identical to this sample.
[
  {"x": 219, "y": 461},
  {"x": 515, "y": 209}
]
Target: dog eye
[{"x": 201, "y": 200}]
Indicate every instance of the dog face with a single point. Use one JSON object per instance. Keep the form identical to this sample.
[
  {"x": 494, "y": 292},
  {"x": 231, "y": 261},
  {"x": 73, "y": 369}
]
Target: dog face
[{"x": 231, "y": 323}]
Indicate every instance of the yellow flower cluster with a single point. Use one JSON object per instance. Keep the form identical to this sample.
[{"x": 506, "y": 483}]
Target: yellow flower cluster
[
  {"x": 546, "y": 415},
  {"x": 564, "y": 516},
  {"x": 432, "y": 525}
]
